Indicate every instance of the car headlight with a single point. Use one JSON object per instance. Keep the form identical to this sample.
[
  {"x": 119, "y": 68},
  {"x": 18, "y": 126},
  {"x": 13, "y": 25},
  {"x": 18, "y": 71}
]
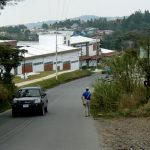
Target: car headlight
[
  {"x": 14, "y": 101},
  {"x": 36, "y": 101}
]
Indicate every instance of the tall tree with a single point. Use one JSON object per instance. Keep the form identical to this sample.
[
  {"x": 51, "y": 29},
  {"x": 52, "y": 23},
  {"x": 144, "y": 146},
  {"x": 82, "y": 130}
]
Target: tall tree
[
  {"x": 9, "y": 58},
  {"x": 45, "y": 26},
  {"x": 3, "y": 3}
]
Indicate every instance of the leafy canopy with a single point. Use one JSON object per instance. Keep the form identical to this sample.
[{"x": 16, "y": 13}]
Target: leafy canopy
[
  {"x": 9, "y": 58},
  {"x": 3, "y": 3}
]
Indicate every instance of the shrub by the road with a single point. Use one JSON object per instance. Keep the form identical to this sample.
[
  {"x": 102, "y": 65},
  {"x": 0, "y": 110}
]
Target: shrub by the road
[
  {"x": 109, "y": 99},
  {"x": 5, "y": 97},
  {"x": 105, "y": 96},
  {"x": 125, "y": 94}
]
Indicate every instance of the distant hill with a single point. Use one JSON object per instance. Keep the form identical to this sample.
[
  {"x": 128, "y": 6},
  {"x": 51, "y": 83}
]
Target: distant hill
[
  {"x": 84, "y": 18},
  {"x": 114, "y": 18},
  {"x": 39, "y": 24}
]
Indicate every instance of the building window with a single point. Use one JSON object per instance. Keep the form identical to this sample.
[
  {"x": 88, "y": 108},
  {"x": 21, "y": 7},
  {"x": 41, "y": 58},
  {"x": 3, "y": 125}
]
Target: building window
[
  {"x": 38, "y": 63},
  {"x": 65, "y": 40},
  {"x": 66, "y": 62},
  {"x": 68, "y": 42},
  {"x": 48, "y": 63},
  {"x": 94, "y": 47},
  {"x": 74, "y": 61},
  {"x": 58, "y": 62},
  {"x": 27, "y": 64}
]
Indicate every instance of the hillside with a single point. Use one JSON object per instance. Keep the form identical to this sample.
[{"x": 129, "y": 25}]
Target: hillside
[{"x": 83, "y": 18}]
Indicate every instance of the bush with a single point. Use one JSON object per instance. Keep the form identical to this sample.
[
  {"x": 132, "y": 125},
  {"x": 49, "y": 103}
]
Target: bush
[
  {"x": 133, "y": 100},
  {"x": 105, "y": 96},
  {"x": 110, "y": 99},
  {"x": 125, "y": 93},
  {"x": 4, "y": 94},
  {"x": 5, "y": 97},
  {"x": 143, "y": 110}
]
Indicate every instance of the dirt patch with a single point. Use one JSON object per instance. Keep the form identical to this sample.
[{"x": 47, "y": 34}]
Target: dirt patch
[{"x": 124, "y": 133}]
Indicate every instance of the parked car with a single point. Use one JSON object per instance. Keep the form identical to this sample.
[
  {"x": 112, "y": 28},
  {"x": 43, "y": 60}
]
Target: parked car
[{"x": 30, "y": 99}]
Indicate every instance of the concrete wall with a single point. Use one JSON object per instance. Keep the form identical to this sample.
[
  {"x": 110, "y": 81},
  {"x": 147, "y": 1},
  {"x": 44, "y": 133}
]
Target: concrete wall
[{"x": 12, "y": 43}]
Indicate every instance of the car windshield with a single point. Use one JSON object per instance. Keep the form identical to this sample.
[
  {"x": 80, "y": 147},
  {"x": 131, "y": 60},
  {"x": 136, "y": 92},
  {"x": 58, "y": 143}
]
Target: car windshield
[{"x": 28, "y": 93}]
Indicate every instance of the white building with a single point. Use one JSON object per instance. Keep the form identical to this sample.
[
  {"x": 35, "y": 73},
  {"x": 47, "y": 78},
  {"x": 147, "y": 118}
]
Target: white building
[
  {"x": 73, "y": 53},
  {"x": 42, "y": 57},
  {"x": 90, "y": 51}
]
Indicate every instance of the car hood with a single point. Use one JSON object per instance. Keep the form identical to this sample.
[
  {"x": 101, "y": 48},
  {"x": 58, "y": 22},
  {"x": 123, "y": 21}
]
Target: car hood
[{"x": 26, "y": 98}]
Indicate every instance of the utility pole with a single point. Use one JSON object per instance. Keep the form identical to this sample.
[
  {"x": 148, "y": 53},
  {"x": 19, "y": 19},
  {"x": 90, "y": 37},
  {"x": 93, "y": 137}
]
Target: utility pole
[
  {"x": 81, "y": 57},
  {"x": 97, "y": 51},
  {"x": 24, "y": 67},
  {"x": 56, "y": 57}
]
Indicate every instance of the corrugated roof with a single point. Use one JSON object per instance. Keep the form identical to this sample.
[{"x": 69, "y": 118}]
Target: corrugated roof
[
  {"x": 106, "y": 51},
  {"x": 37, "y": 50},
  {"x": 2, "y": 41},
  {"x": 81, "y": 39}
]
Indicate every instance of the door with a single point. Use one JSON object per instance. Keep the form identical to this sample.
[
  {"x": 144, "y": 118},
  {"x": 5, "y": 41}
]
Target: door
[
  {"x": 27, "y": 68},
  {"x": 66, "y": 65},
  {"x": 48, "y": 67}
]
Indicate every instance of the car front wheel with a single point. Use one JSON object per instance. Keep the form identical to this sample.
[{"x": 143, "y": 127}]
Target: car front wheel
[
  {"x": 42, "y": 111},
  {"x": 45, "y": 109},
  {"x": 14, "y": 114}
]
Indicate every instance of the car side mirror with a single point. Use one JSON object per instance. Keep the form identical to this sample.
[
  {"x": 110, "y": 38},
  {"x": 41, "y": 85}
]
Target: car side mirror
[
  {"x": 13, "y": 96},
  {"x": 44, "y": 94}
]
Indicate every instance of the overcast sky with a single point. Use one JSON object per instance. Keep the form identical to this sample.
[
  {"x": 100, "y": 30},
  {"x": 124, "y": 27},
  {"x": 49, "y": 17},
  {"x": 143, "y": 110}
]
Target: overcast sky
[{"x": 31, "y": 11}]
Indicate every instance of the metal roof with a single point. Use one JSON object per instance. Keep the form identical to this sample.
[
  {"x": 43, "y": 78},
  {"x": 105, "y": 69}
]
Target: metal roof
[{"x": 38, "y": 50}]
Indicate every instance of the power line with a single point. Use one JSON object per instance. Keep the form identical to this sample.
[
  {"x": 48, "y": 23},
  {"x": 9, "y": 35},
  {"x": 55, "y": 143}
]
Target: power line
[
  {"x": 68, "y": 8},
  {"x": 63, "y": 9}
]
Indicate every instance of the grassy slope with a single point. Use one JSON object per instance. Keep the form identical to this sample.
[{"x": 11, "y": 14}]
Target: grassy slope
[
  {"x": 42, "y": 74},
  {"x": 63, "y": 78}
]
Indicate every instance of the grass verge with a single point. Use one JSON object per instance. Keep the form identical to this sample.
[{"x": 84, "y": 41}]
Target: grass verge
[
  {"x": 32, "y": 77},
  {"x": 63, "y": 78},
  {"x": 4, "y": 106}
]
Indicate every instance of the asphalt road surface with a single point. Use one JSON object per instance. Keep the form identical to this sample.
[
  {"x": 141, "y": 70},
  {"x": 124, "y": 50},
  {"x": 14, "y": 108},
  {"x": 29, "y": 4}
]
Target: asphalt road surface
[{"x": 64, "y": 127}]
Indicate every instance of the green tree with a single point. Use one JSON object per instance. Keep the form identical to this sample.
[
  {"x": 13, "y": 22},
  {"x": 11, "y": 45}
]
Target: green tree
[
  {"x": 27, "y": 34},
  {"x": 3, "y": 3},
  {"x": 9, "y": 58},
  {"x": 45, "y": 26}
]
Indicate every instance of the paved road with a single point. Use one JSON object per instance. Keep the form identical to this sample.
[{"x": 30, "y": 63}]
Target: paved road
[{"x": 64, "y": 127}]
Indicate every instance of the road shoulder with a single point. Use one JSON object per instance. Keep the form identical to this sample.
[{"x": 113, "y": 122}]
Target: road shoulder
[{"x": 124, "y": 133}]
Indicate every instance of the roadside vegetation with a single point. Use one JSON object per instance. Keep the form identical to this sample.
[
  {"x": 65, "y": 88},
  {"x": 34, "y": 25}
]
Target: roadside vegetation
[
  {"x": 18, "y": 79},
  {"x": 126, "y": 94},
  {"x": 5, "y": 97},
  {"x": 9, "y": 58}
]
